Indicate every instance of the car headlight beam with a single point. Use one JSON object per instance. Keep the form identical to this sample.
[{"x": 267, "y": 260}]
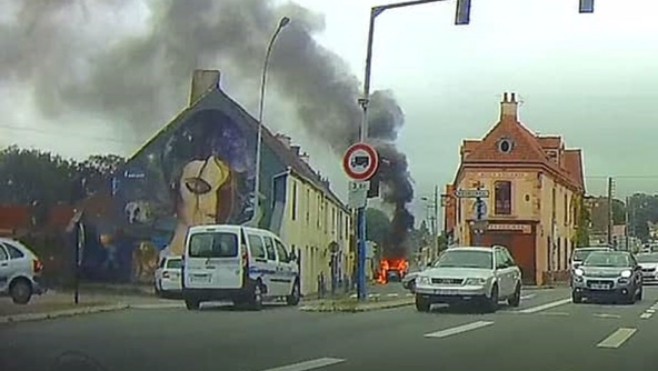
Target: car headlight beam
[
  {"x": 626, "y": 273},
  {"x": 579, "y": 272}
]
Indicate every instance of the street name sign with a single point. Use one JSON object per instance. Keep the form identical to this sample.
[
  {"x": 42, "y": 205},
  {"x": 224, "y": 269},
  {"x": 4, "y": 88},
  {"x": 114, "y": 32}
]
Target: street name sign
[{"x": 473, "y": 193}]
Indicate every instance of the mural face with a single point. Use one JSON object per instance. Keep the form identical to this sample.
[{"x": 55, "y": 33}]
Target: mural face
[{"x": 200, "y": 173}]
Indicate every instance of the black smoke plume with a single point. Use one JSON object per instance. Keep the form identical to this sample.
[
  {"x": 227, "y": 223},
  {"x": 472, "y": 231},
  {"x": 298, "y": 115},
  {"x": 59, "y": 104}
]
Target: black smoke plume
[{"x": 130, "y": 62}]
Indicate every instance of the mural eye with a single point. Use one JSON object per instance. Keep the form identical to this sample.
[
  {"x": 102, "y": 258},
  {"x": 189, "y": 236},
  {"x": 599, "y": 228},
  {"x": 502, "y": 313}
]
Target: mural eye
[{"x": 197, "y": 185}]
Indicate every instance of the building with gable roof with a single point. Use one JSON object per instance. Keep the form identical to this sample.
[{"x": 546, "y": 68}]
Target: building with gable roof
[
  {"x": 535, "y": 186},
  {"x": 200, "y": 169}
]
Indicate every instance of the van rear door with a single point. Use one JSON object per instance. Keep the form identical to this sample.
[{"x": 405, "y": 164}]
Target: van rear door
[{"x": 213, "y": 259}]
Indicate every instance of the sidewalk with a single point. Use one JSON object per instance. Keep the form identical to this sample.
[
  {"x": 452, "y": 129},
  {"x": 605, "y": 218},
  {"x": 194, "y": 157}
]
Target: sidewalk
[{"x": 59, "y": 304}]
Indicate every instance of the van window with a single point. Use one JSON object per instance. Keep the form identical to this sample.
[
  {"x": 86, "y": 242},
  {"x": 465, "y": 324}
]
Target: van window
[
  {"x": 213, "y": 245},
  {"x": 256, "y": 246},
  {"x": 269, "y": 246},
  {"x": 283, "y": 253}
]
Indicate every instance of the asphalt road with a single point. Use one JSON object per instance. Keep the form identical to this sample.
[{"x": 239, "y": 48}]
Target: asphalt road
[{"x": 546, "y": 333}]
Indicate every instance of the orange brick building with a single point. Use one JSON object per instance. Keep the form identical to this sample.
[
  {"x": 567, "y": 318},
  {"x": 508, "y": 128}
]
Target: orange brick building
[{"x": 535, "y": 185}]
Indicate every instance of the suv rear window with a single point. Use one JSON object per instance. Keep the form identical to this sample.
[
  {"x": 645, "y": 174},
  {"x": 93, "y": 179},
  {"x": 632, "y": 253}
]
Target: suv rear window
[
  {"x": 213, "y": 245},
  {"x": 581, "y": 255}
]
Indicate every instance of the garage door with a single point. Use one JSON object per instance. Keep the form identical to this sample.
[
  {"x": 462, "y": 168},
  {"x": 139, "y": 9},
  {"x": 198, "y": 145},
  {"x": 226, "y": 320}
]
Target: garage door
[{"x": 522, "y": 248}]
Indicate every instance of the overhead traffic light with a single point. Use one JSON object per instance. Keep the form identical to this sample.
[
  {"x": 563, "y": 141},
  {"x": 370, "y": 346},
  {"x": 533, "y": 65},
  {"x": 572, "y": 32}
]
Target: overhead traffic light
[
  {"x": 463, "y": 14},
  {"x": 586, "y": 6}
]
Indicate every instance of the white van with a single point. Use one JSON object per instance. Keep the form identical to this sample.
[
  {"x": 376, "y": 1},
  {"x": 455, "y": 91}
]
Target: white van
[{"x": 241, "y": 264}]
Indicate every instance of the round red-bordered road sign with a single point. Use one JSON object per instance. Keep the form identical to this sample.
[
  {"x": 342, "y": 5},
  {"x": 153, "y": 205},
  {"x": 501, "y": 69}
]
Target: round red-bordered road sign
[{"x": 361, "y": 162}]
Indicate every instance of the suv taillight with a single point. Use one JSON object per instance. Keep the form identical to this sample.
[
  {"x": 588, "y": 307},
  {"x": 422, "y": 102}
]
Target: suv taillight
[{"x": 37, "y": 267}]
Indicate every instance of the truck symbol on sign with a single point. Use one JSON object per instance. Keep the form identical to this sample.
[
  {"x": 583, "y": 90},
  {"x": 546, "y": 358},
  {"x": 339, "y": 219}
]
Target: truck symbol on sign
[{"x": 360, "y": 163}]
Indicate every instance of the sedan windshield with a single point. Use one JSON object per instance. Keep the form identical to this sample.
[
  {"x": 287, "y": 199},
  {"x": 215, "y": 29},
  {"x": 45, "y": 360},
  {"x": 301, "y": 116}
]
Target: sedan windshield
[
  {"x": 607, "y": 259},
  {"x": 647, "y": 258},
  {"x": 465, "y": 259}
]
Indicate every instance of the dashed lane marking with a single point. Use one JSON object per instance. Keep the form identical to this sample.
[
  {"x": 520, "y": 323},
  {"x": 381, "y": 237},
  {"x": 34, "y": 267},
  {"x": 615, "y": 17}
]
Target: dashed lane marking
[
  {"x": 617, "y": 338},
  {"x": 392, "y": 295},
  {"x": 605, "y": 315},
  {"x": 529, "y": 296},
  {"x": 459, "y": 329},
  {"x": 646, "y": 315},
  {"x": 542, "y": 307},
  {"x": 308, "y": 365}
]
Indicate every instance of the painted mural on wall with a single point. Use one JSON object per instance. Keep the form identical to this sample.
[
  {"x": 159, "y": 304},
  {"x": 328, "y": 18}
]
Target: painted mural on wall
[{"x": 199, "y": 173}]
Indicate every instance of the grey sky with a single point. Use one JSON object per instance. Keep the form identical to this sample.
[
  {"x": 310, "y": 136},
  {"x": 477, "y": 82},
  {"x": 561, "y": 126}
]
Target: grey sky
[{"x": 586, "y": 77}]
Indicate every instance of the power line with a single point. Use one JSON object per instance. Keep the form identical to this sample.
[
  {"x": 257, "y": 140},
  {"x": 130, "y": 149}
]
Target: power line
[{"x": 70, "y": 134}]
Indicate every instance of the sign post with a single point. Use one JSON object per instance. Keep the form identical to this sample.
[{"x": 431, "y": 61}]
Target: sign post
[
  {"x": 360, "y": 163},
  {"x": 479, "y": 225}
]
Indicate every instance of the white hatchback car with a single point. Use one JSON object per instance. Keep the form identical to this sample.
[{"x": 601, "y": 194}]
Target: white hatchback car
[
  {"x": 241, "y": 264},
  {"x": 20, "y": 270},
  {"x": 483, "y": 275},
  {"x": 168, "y": 276}
]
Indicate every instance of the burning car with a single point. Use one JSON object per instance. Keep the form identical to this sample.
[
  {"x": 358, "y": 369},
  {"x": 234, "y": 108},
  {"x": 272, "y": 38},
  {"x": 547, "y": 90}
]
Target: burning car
[{"x": 392, "y": 270}]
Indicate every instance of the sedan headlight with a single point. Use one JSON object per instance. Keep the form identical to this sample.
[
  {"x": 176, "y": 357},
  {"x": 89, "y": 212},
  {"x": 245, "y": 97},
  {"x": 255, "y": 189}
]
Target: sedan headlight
[
  {"x": 423, "y": 280},
  {"x": 579, "y": 272},
  {"x": 476, "y": 281},
  {"x": 626, "y": 273}
]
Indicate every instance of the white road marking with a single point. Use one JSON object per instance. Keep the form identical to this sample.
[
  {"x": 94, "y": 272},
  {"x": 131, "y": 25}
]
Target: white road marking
[
  {"x": 409, "y": 294},
  {"x": 605, "y": 315},
  {"x": 458, "y": 329},
  {"x": 562, "y": 314},
  {"x": 308, "y": 365},
  {"x": 651, "y": 311},
  {"x": 353, "y": 296},
  {"x": 646, "y": 315},
  {"x": 617, "y": 338},
  {"x": 545, "y": 306},
  {"x": 392, "y": 295},
  {"x": 158, "y": 306},
  {"x": 529, "y": 296}
]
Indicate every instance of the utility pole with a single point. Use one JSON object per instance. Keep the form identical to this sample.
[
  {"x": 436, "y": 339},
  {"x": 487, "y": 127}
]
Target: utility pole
[
  {"x": 627, "y": 220},
  {"x": 610, "y": 220},
  {"x": 436, "y": 221}
]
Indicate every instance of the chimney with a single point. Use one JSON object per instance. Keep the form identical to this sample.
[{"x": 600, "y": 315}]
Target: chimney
[
  {"x": 202, "y": 81},
  {"x": 305, "y": 157},
  {"x": 286, "y": 140},
  {"x": 509, "y": 107},
  {"x": 295, "y": 150}
]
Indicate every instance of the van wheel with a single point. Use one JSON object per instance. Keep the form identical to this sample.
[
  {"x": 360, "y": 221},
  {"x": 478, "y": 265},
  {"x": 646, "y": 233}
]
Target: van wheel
[
  {"x": 192, "y": 304},
  {"x": 256, "y": 299},
  {"x": 293, "y": 298},
  {"x": 20, "y": 291}
]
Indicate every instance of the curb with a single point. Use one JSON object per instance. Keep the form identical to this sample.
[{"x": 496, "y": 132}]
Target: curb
[
  {"x": 26, "y": 317},
  {"x": 354, "y": 307}
]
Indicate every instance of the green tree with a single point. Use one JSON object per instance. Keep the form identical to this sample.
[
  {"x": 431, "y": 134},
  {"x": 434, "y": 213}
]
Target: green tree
[
  {"x": 378, "y": 225},
  {"x": 618, "y": 212},
  {"x": 95, "y": 173},
  {"x": 32, "y": 177},
  {"x": 582, "y": 229}
]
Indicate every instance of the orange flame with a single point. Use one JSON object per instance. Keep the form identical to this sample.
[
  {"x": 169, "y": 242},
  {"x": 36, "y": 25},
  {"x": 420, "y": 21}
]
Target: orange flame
[{"x": 386, "y": 265}]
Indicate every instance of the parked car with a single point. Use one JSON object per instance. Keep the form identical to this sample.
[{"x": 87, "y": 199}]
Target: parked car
[
  {"x": 241, "y": 264},
  {"x": 168, "y": 276},
  {"x": 613, "y": 274},
  {"x": 20, "y": 271},
  {"x": 479, "y": 275},
  {"x": 649, "y": 264}
]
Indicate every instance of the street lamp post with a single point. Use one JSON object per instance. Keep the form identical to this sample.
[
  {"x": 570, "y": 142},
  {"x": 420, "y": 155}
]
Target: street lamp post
[
  {"x": 462, "y": 17},
  {"x": 261, "y": 102}
]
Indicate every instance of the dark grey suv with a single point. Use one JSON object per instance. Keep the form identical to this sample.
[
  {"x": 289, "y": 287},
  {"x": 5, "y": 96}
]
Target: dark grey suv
[{"x": 608, "y": 274}]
